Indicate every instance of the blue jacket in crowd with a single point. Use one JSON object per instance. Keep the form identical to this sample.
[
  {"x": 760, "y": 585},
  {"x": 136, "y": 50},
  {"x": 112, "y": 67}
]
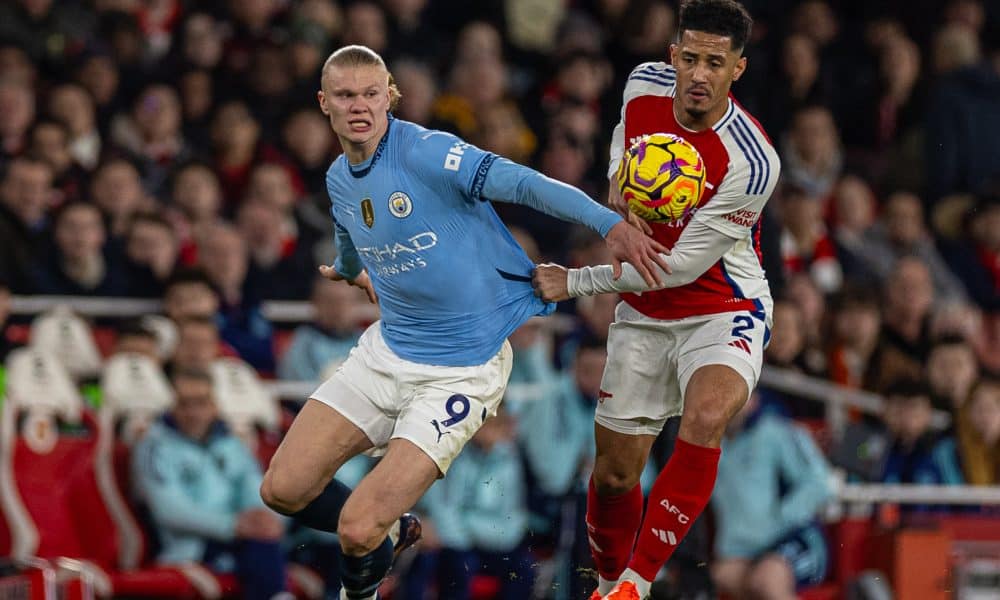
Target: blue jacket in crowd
[
  {"x": 194, "y": 490},
  {"x": 312, "y": 351},
  {"x": 772, "y": 481},
  {"x": 480, "y": 505}
]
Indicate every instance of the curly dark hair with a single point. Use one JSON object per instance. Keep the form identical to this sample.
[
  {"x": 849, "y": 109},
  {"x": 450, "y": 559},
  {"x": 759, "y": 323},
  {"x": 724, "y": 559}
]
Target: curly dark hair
[{"x": 719, "y": 17}]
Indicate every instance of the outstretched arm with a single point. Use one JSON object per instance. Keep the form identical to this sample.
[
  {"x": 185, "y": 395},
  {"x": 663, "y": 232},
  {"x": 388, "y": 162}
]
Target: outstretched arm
[
  {"x": 698, "y": 248},
  {"x": 511, "y": 182}
]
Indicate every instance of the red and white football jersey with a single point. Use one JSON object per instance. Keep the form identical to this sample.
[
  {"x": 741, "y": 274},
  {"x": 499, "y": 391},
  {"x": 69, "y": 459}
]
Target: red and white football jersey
[{"x": 742, "y": 169}]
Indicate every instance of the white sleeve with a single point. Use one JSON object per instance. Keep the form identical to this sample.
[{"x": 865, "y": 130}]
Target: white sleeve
[
  {"x": 647, "y": 79},
  {"x": 698, "y": 248},
  {"x": 736, "y": 206}
]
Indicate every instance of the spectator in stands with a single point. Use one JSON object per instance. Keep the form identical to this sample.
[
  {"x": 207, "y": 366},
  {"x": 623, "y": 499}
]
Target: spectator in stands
[
  {"x": 799, "y": 83},
  {"x": 73, "y": 106},
  {"x": 365, "y": 24},
  {"x": 116, "y": 189},
  {"x": 17, "y": 111},
  {"x": 806, "y": 246},
  {"x": 596, "y": 314},
  {"x": 190, "y": 294},
  {"x": 235, "y": 135},
  {"x": 197, "y": 94},
  {"x": 416, "y": 82},
  {"x": 281, "y": 261},
  {"x": 854, "y": 207},
  {"x": 905, "y": 339},
  {"x": 198, "y": 344},
  {"x": 964, "y": 117},
  {"x": 901, "y": 232},
  {"x": 915, "y": 453},
  {"x": 201, "y": 41},
  {"x": 856, "y": 322},
  {"x": 772, "y": 483},
  {"x": 802, "y": 291},
  {"x": 976, "y": 258},
  {"x": 309, "y": 143},
  {"x": 978, "y": 433},
  {"x": 532, "y": 373},
  {"x": 152, "y": 134},
  {"x": 318, "y": 347},
  {"x": 200, "y": 483},
  {"x": 151, "y": 250},
  {"x": 79, "y": 264},
  {"x": 951, "y": 372},
  {"x": 502, "y": 130},
  {"x": 15, "y": 64},
  {"x": 133, "y": 336},
  {"x": 50, "y": 142},
  {"x": 25, "y": 197},
  {"x": 556, "y": 435},
  {"x": 196, "y": 200},
  {"x": 224, "y": 256},
  {"x": 480, "y": 517},
  {"x": 98, "y": 74},
  {"x": 811, "y": 157}
]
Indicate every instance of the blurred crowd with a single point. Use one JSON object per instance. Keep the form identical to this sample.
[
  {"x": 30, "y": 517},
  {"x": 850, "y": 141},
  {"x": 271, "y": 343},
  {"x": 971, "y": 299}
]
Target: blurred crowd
[{"x": 174, "y": 150}]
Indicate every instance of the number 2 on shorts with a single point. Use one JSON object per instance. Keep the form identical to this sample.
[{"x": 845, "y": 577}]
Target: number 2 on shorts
[{"x": 743, "y": 324}]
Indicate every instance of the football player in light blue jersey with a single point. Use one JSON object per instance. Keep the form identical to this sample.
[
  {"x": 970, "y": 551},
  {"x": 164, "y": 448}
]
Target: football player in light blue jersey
[{"x": 415, "y": 230}]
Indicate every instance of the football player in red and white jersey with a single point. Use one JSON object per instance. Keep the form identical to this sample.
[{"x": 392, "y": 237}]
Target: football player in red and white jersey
[{"x": 695, "y": 343}]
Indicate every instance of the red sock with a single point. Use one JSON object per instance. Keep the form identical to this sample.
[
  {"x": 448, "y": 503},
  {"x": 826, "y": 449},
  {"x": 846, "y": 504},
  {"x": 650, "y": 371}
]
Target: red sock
[
  {"x": 612, "y": 522},
  {"x": 680, "y": 493}
]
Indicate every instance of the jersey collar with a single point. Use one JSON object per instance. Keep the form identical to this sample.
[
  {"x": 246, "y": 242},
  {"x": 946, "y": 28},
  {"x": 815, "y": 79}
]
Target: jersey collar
[{"x": 364, "y": 167}]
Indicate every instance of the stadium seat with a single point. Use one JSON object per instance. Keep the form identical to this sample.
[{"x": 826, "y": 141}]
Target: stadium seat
[
  {"x": 247, "y": 407},
  {"x": 135, "y": 392},
  {"x": 54, "y": 493},
  {"x": 66, "y": 335}
]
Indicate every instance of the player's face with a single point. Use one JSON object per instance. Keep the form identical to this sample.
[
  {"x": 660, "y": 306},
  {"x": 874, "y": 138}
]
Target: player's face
[
  {"x": 356, "y": 99},
  {"x": 706, "y": 67}
]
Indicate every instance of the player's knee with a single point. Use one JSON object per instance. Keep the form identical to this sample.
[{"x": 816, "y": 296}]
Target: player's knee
[
  {"x": 279, "y": 494},
  {"x": 704, "y": 422},
  {"x": 612, "y": 478},
  {"x": 359, "y": 533}
]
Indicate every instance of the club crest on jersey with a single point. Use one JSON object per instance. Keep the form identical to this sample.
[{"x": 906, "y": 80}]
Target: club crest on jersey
[
  {"x": 368, "y": 212},
  {"x": 400, "y": 205}
]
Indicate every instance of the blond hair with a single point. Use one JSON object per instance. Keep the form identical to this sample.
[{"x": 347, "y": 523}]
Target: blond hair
[{"x": 362, "y": 56}]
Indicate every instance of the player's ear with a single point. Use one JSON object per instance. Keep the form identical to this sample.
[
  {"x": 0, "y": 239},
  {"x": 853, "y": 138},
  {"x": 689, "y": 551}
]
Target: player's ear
[
  {"x": 672, "y": 54},
  {"x": 321, "y": 97},
  {"x": 741, "y": 65}
]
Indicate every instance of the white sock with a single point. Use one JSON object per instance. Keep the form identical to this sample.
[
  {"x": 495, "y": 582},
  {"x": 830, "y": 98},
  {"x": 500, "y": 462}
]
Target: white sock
[
  {"x": 640, "y": 584},
  {"x": 604, "y": 586}
]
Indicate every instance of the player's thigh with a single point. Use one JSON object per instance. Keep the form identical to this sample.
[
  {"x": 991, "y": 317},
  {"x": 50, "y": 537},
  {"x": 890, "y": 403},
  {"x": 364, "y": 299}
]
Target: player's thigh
[
  {"x": 319, "y": 441},
  {"x": 639, "y": 390},
  {"x": 729, "y": 575},
  {"x": 395, "y": 484},
  {"x": 345, "y": 416},
  {"x": 620, "y": 459},
  {"x": 719, "y": 361},
  {"x": 445, "y": 408}
]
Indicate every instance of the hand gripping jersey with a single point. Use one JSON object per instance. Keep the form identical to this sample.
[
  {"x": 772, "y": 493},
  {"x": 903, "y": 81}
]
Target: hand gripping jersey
[{"x": 742, "y": 170}]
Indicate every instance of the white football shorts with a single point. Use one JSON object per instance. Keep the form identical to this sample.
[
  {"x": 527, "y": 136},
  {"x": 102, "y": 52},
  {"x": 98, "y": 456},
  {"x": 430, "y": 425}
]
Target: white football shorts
[
  {"x": 650, "y": 362},
  {"x": 437, "y": 408}
]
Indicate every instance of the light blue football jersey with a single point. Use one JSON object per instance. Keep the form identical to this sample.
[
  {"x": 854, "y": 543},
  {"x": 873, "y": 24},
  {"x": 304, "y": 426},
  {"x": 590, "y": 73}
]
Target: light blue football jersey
[{"x": 452, "y": 282}]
